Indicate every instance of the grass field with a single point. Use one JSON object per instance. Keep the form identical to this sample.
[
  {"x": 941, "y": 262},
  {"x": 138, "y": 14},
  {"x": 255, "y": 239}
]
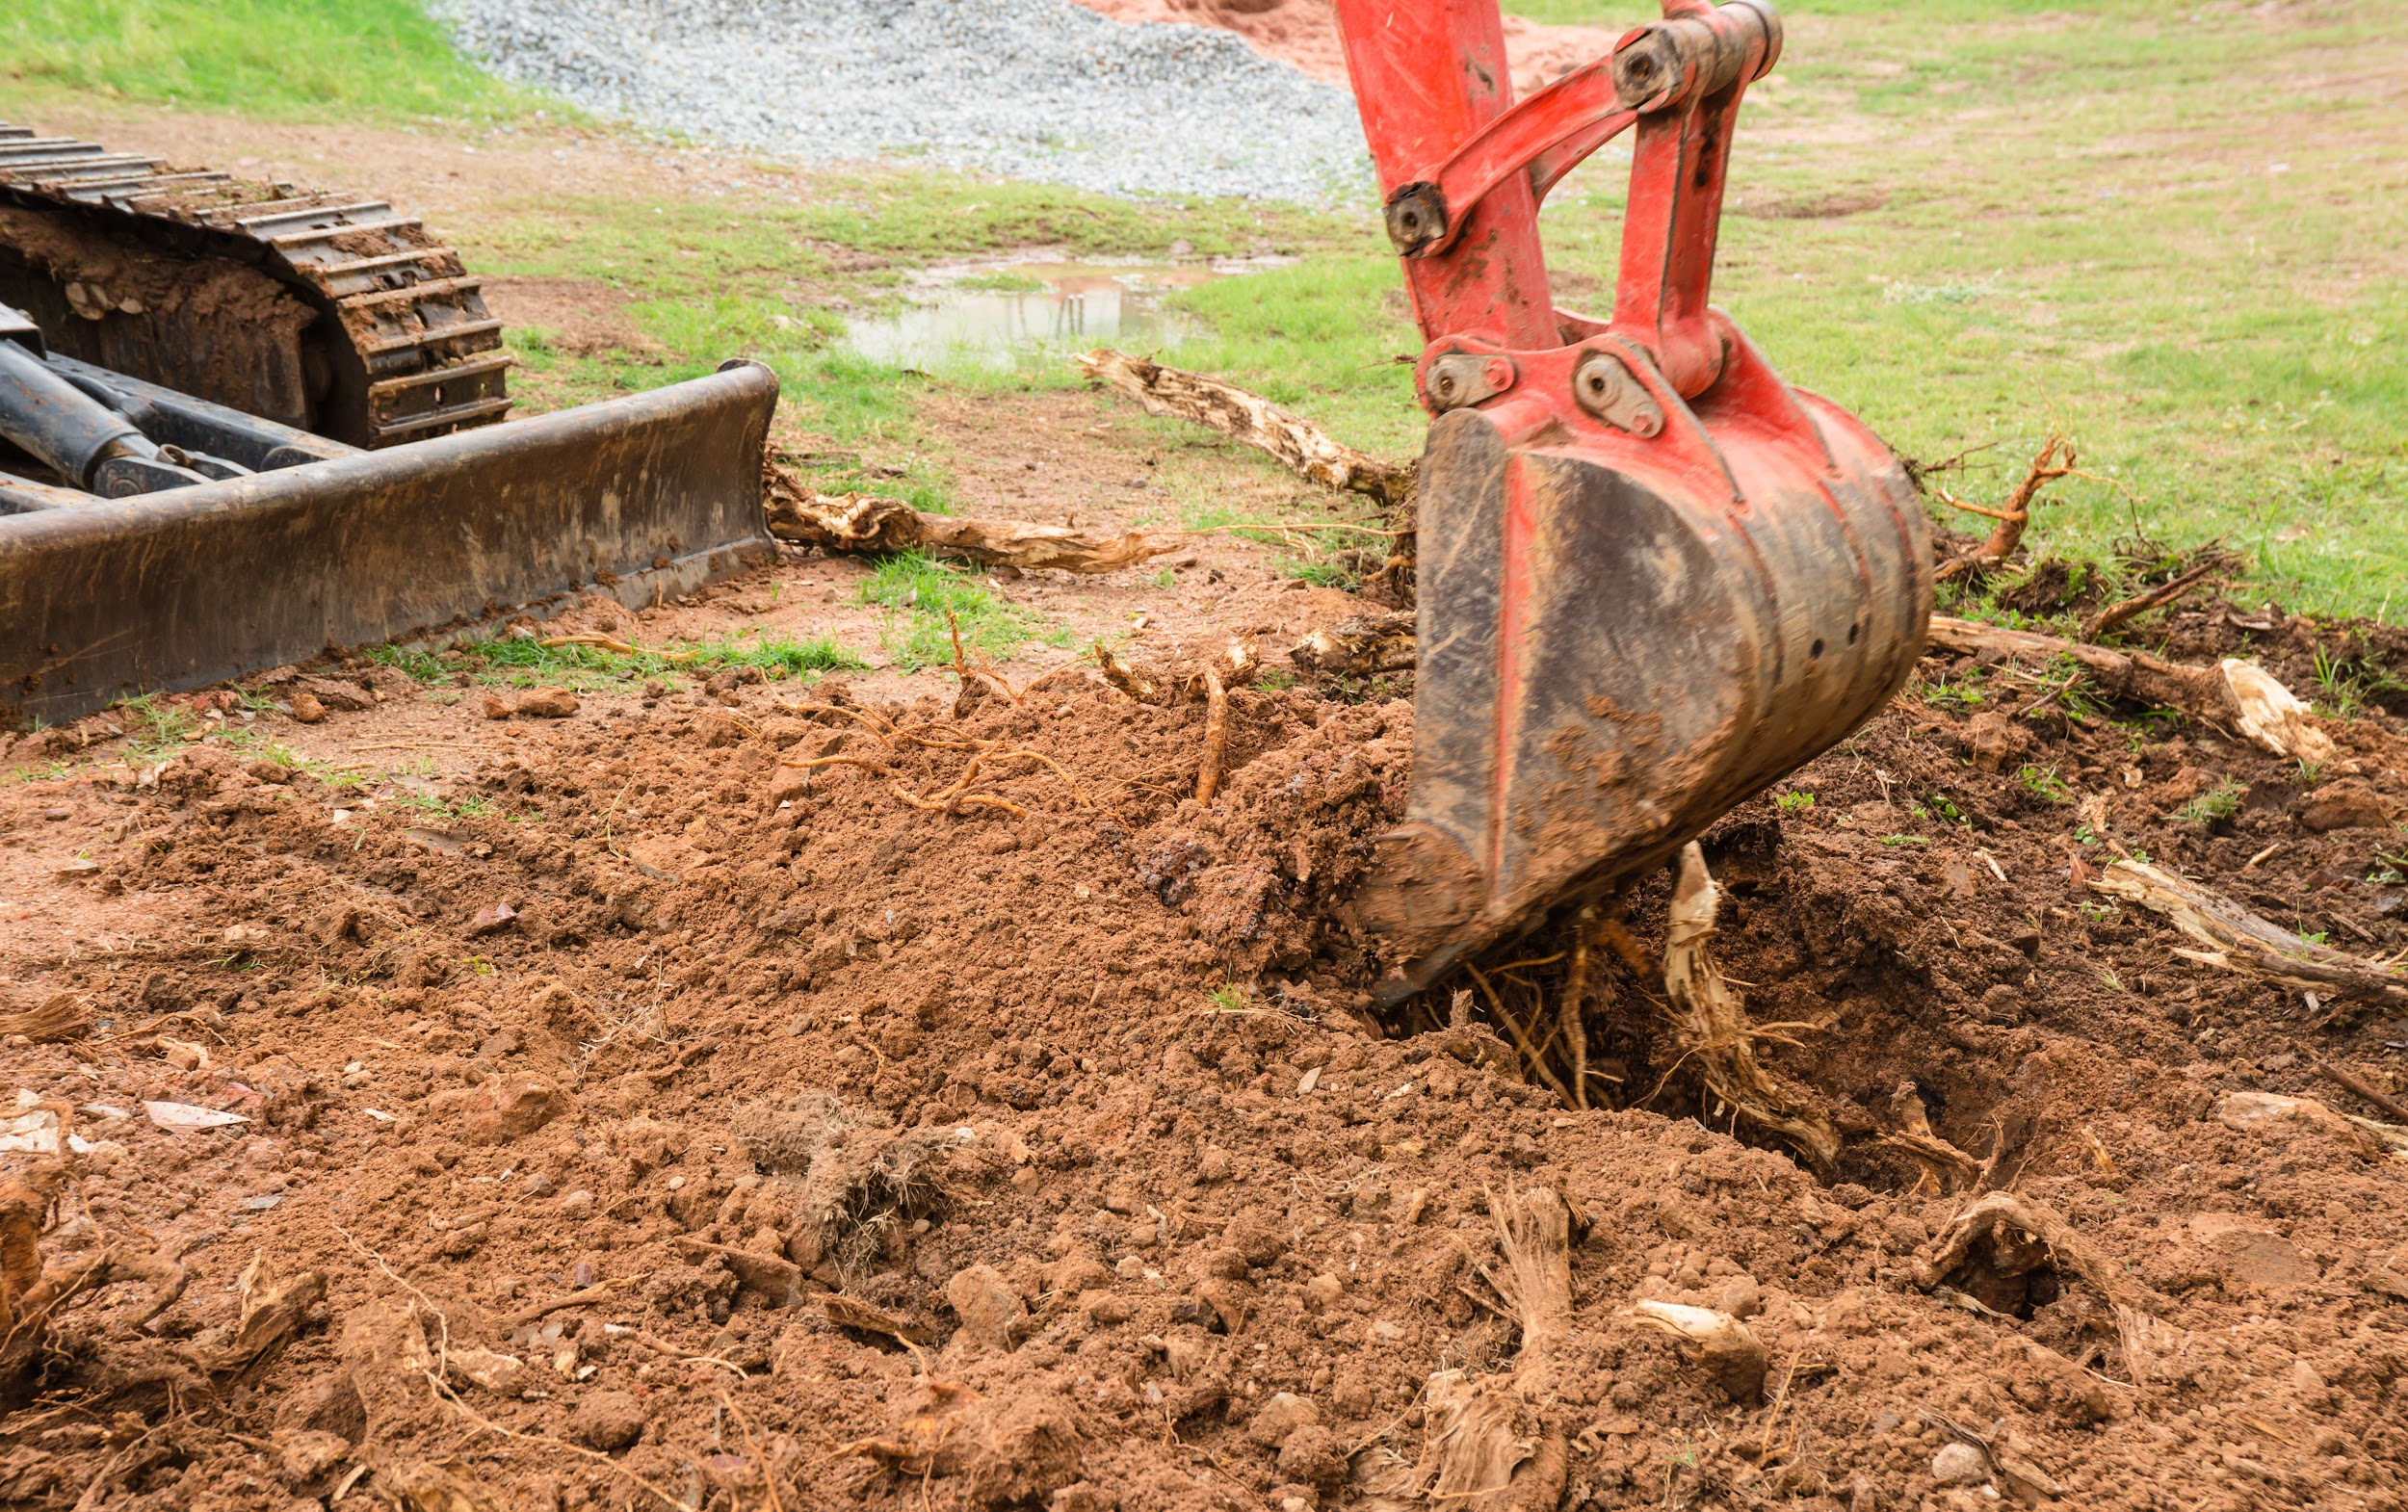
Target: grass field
[{"x": 1970, "y": 221}]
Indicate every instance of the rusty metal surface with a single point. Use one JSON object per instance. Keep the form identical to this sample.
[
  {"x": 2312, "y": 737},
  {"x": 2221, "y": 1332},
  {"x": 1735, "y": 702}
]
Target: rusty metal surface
[
  {"x": 325, "y": 310},
  {"x": 653, "y": 493}
]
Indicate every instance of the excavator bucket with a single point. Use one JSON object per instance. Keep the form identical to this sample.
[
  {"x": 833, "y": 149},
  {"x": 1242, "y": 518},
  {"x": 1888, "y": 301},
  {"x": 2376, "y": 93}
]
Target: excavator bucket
[{"x": 1653, "y": 578}]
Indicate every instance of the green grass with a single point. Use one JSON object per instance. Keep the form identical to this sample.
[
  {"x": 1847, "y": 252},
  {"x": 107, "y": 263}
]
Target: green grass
[
  {"x": 319, "y": 60},
  {"x": 521, "y": 662},
  {"x": 1971, "y": 220},
  {"x": 926, "y": 599}
]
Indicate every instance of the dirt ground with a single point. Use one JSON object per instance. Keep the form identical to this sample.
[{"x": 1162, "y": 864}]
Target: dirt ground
[{"x": 659, "y": 1104}]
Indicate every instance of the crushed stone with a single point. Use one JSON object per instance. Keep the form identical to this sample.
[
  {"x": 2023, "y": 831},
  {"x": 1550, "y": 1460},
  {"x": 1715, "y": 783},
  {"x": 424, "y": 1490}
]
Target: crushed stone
[{"x": 1039, "y": 89}]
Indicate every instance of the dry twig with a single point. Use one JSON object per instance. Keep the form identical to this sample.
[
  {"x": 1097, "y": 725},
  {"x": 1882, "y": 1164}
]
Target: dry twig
[
  {"x": 2054, "y": 459},
  {"x": 1215, "y": 738},
  {"x": 2164, "y": 593}
]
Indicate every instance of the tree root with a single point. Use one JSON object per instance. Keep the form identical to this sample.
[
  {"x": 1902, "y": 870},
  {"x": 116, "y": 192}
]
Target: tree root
[
  {"x": 2148, "y": 1342},
  {"x": 2238, "y": 940},
  {"x": 1484, "y": 1448},
  {"x": 1714, "y": 1029}
]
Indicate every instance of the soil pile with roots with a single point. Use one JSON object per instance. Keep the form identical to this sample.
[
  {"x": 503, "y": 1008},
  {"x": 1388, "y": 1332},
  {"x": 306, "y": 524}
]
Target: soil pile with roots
[{"x": 767, "y": 1098}]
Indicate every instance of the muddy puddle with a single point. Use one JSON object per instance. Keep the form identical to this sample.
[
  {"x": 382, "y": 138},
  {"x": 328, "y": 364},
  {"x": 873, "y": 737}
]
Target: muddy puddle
[{"x": 1000, "y": 315}]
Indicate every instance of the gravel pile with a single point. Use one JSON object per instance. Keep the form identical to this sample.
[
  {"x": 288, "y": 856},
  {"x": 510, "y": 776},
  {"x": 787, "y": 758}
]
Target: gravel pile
[{"x": 1030, "y": 88}]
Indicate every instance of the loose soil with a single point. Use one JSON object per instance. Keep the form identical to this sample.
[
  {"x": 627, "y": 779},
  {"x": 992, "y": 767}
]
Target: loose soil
[{"x": 735, "y": 1132}]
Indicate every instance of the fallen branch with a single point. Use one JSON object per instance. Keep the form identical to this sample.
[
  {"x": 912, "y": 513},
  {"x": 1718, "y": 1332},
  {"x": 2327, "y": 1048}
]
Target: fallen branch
[
  {"x": 1295, "y": 442},
  {"x": 867, "y": 524},
  {"x": 2240, "y": 940},
  {"x": 60, "y": 1017},
  {"x": 2232, "y": 693},
  {"x": 1714, "y": 1029},
  {"x": 2055, "y": 459}
]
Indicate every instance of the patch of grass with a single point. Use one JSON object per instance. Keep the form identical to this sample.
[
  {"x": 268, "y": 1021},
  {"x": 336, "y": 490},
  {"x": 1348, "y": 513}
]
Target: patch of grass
[
  {"x": 304, "y": 60},
  {"x": 926, "y": 599},
  {"x": 520, "y": 662},
  {"x": 419, "y": 664},
  {"x": 154, "y": 730},
  {"x": 2043, "y": 783},
  {"x": 1001, "y": 281},
  {"x": 2218, "y": 804},
  {"x": 1323, "y": 573},
  {"x": 2347, "y": 686},
  {"x": 1798, "y": 800}
]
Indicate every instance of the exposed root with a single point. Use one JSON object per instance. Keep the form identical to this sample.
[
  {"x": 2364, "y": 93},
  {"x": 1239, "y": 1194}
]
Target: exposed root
[
  {"x": 869, "y": 524},
  {"x": 1484, "y": 1446},
  {"x": 1363, "y": 646},
  {"x": 2148, "y": 1340},
  {"x": 59, "y": 1018},
  {"x": 1215, "y": 738},
  {"x": 1731, "y": 1353},
  {"x": 1714, "y": 1029},
  {"x": 2125, "y": 610},
  {"x": 1294, "y": 441},
  {"x": 2235, "y": 694},
  {"x": 2238, "y": 940},
  {"x": 2055, "y": 459},
  {"x": 1127, "y": 679},
  {"x": 856, "y": 1176}
]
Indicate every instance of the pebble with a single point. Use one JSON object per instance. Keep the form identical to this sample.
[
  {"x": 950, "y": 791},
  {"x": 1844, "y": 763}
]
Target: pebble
[
  {"x": 1959, "y": 1465},
  {"x": 1029, "y": 89}
]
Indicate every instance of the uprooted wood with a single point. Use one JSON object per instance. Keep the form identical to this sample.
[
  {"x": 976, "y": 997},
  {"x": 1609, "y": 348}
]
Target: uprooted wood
[
  {"x": 2235, "y": 694},
  {"x": 1294, "y": 441},
  {"x": 1215, "y": 738},
  {"x": 1362, "y": 646},
  {"x": 1946, "y": 1169},
  {"x": 1484, "y": 1446},
  {"x": 2148, "y": 1342},
  {"x": 2055, "y": 459},
  {"x": 951, "y": 800},
  {"x": 866, "y": 524},
  {"x": 1729, "y": 1352},
  {"x": 1713, "y": 1028},
  {"x": 2240, "y": 940},
  {"x": 1235, "y": 665},
  {"x": 33, "y": 1293}
]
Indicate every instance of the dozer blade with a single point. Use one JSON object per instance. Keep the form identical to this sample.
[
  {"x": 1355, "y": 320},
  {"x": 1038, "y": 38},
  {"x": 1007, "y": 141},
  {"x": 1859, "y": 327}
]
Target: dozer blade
[
  {"x": 652, "y": 494},
  {"x": 1620, "y": 639}
]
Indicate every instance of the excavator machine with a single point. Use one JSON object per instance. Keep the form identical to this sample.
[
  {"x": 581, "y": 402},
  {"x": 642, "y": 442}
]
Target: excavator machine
[
  {"x": 240, "y": 422},
  {"x": 1653, "y": 577}
]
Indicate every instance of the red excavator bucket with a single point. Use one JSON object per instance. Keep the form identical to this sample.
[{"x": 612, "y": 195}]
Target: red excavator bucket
[{"x": 1653, "y": 577}]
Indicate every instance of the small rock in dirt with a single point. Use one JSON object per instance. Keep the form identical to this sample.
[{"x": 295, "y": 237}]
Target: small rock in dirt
[
  {"x": 607, "y": 1421},
  {"x": 2271, "y": 1116},
  {"x": 548, "y": 703},
  {"x": 1030, "y": 1451},
  {"x": 273, "y": 773},
  {"x": 990, "y": 1311},
  {"x": 511, "y": 1108},
  {"x": 495, "y": 707},
  {"x": 494, "y": 919},
  {"x": 327, "y": 1403},
  {"x": 303, "y": 1454},
  {"x": 1283, "y": 1415},
  {"x": 1994, "y": 741},
  {"x": 308, "y": 710},
  {"x": 2342, "y": 805},
  {"x": 502, "y": 1375},
  {"x": 1084, "y": 1496},
  {"x": 1312, "y": 1456},
  {"x": 1741, "y": 1298},
  {"x": 1104, "y": 1308},
  {"x": 1322, "y": 1293},
  {"x": 1959, "y": 1465}
]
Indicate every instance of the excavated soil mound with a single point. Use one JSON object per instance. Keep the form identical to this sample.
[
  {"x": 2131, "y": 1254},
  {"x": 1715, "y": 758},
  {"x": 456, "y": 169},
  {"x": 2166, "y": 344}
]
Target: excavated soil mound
[{"x": 692, "y": 1110}]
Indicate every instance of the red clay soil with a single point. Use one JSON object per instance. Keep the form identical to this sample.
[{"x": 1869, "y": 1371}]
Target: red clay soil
[
  {"x": 1304, "y": 33},
  {"x": 649, "y": 1118}
]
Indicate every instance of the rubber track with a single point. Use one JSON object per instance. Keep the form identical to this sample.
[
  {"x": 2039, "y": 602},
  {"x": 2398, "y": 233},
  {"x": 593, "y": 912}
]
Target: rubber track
[{"x": 425, "y": 356}]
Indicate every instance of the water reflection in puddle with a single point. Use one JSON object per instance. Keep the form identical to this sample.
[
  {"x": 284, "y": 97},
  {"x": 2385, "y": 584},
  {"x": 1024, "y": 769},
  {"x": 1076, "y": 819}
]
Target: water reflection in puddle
[{"x": 1000, "y": 315}]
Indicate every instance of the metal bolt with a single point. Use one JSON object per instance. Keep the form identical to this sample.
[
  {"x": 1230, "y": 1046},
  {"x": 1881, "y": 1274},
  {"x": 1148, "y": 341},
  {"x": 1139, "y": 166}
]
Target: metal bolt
[{"x": 1416, "y": 217}]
